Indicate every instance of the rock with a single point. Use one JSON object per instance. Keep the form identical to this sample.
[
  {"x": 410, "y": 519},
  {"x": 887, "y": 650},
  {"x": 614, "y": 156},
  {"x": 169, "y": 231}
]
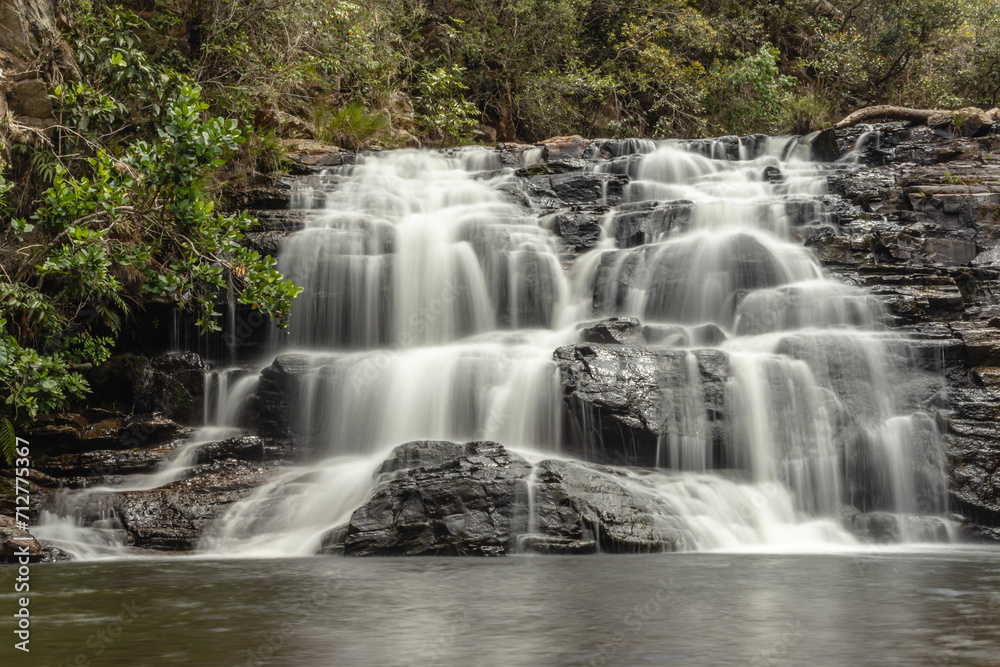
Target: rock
[
  {"x": 617, "y": 407},
  {"x": 647, "y": 221},
  {"x": 29, "y": 97},
  {"x": 558, "y": 148},
  {"x": 172, "y": 517},
  {"x": 15, "y": 541},
  {"x": 248, "y": 448},
  {"x": 73, "y": 432},
  {"x": 885, "y": 528},
  {"x": 666, "y": 335},
  {"x": 270, "y": 406},
  {"x": 439, "y": 498},
  {"x": 472, "y": 505},
  {"x": 310, "y": 156},
  {"x": 174, "y": 384},
  {"x": 421, "y": 454},
  {"x": 265, "y": 243},
  {"x": 613, "y": 331},
  {"x": 149, "y": 430},
  {"x": 588, "y": 188},
  {"x": 101, "y": 464},
  {"x": 579, "y": 231},
  {"x": 581, "y": 507},
  {"x": 823, "y": 145},
  {"x": 772, "y": 174}
]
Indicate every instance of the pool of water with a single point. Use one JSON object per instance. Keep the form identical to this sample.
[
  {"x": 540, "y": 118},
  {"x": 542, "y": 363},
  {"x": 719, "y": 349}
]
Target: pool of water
[{"x": 875, "y": 607}]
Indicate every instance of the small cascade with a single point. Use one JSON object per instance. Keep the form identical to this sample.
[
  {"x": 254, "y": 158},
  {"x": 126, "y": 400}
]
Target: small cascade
[{"x": 78, "y": 523}]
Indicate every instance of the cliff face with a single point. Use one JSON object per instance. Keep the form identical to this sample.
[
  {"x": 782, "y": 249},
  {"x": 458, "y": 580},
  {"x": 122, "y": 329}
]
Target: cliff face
[{"x": 922, "y": 232}]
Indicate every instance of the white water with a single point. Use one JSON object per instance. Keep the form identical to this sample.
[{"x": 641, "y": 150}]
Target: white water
[{"x": 433, "y": 304}]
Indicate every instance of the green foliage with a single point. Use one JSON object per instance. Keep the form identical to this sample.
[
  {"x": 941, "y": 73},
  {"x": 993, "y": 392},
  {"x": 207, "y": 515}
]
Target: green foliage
[
  {"x": 126, "y": 213},
  {"x": 8, "y": 441},
  {"x": 802, "y": 114},
  {"x": 750, "y": 94},
  {"x": 352, "y": 126},
  {"x": 443, "y": 104}
]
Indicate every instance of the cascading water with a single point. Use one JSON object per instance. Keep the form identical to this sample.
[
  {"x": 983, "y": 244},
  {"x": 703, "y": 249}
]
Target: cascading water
[{"x": 433, "y": 305}]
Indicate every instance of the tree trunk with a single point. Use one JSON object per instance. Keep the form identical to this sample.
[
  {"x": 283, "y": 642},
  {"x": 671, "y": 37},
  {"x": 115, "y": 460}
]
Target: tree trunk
[{"x": 887, "y": 112}]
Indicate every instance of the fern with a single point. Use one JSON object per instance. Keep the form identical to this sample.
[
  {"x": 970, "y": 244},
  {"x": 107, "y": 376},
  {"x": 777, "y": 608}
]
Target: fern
[{"x": 8, "y": 442}]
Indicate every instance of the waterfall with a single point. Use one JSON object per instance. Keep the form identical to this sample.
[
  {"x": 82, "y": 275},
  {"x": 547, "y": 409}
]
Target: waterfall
[{"x": 433, "y": 303}]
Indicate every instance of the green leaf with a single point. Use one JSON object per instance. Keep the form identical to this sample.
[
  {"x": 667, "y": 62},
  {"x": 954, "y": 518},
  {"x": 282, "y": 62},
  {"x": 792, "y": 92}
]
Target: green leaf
[{"x": 8, "y": 441}]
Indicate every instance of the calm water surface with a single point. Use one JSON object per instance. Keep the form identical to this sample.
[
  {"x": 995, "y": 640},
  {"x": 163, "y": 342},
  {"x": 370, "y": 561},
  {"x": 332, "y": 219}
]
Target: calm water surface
[{"x": 911, "y": 608}]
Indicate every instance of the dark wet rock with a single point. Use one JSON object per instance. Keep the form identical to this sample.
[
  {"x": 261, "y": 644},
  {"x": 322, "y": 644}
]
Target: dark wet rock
[
  {"x": 17, "y": 543},
  {"x": 102, "y": 464},
  {"x": 886, "y": 528},
  {"x": 615, "y": 148},
  {"x": 643, "y": 222},
  {"x": 242, "y": 448},
  {"x": 583, "y": 188},
  {"x": 280, "y": 221},
  {"x": 270, "y": 406},
  {"x": 707, "y": 335},
  {"x": 72, "y": 433},
  {"x": 773, "y": 174},
  {"x": 172, "y": 517},
  {"x": 421, "y": 454},
  {"x": 471, "y": 505},
  {"x": 265, "y": 243},
  {"x": 823, "y": 145},
  {"x": 613, "y": 331},
  {"x": 550, "y": 168},
  {"x": 579, "y": 231},
  {"x": 439, "y": 498},
  {"x": 579, "y": 507},
  {"x": 174, "y": 385},
  {"x": 617, "y": 409}
]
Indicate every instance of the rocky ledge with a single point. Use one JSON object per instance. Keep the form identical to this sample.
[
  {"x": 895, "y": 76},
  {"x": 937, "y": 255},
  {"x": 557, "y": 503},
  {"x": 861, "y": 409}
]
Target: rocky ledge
[{"x": 479, "y": 499}]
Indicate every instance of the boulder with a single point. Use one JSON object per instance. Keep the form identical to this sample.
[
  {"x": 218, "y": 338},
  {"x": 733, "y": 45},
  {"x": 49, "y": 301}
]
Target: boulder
[
  {"x": 558, "y": 148},
  {"x": 271, "y": 405},
  {"x": 613, "y": 331},
  {"x": 618, "y": 407},
  {"x": 172, "y": 517},
  {"x": 474, "y": 504},
  {"x": 646, "y": 221},
  {"x": 15, "y": 541},
  {"x": 440, "y": 498},
  {"x": 174, "y": 384},
  {"x": 579, "y": 232}
]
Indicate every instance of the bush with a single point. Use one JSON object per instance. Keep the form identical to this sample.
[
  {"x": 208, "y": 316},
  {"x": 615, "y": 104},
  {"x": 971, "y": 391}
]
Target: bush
[
  {"x": 750, "y": 94},
  {"x": 802, "y": 114},
  {"x": 352, "y": 126}
]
